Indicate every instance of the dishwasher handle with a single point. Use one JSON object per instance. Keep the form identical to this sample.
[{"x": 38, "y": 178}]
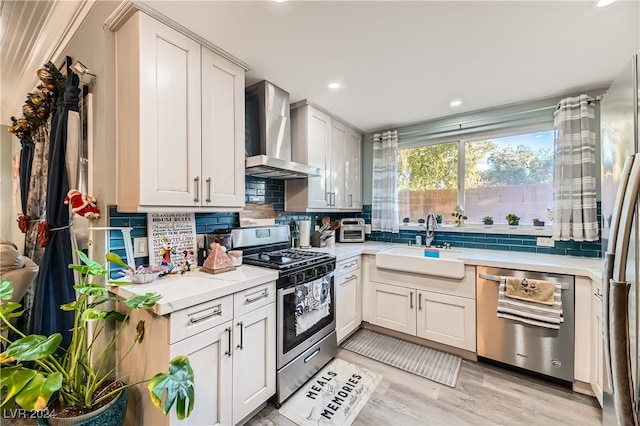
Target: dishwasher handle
[{"x": 490, "y": 277}]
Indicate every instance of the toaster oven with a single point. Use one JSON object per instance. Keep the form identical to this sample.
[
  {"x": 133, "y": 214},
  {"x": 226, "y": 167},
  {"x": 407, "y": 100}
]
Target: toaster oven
[{"x": 351, "y": 230}]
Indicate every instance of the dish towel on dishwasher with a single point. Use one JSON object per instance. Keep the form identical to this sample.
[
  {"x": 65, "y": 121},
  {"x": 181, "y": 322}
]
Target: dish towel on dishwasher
[
  {"x": 313, "y": 302},
  {"x": 517, "y": 301}
]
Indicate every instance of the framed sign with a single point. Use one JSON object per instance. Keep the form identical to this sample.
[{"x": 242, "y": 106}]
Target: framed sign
[{"x": 172, "y": 240}]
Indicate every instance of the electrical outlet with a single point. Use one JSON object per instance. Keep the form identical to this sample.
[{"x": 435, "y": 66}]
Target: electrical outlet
[
  {"x": 200, "y": 240},
  {"x": 140, "y": 247},
  {"x": 367, "y": 228},
  {"x": 545, "y": 242}
]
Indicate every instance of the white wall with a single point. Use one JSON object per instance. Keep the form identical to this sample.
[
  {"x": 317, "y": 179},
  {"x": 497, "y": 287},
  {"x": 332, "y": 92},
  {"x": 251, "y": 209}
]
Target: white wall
[{"x": 9, "y": 146}]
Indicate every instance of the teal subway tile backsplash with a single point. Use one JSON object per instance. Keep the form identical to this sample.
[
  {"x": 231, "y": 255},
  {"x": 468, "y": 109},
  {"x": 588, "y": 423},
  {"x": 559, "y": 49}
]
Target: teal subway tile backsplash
[{"x": 260, "y": 190}]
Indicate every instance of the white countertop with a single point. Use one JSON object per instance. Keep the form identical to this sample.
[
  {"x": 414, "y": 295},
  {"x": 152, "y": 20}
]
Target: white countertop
[
  {"x": 182, "y": 291},
  {"x": 571, "y": 265}
]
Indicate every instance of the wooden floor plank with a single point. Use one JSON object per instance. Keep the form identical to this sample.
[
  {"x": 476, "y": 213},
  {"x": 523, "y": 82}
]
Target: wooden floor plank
[{"x": 484, "y": 395}]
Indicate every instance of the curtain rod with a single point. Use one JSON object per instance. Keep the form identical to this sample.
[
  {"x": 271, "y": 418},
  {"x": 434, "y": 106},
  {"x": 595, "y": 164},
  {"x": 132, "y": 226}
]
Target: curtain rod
[{"x": 460, "y": 124}]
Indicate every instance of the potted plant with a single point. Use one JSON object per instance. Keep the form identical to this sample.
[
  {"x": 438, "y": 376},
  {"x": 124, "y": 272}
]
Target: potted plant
[
  {"x": 487, "y": 220},
  {"x": 35, "y": 367},
  {"x": 438, "y": 218},
  {"x": 538, "y": 222},
  {"x": 421, "y": 221},
  {"x": 512, "y": 219},
  {"x": 405, "y": 220}
]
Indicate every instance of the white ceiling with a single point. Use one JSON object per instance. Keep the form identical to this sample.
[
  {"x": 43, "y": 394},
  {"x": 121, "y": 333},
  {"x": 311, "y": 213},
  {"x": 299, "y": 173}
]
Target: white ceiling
[{"x": 403, "y": 62}]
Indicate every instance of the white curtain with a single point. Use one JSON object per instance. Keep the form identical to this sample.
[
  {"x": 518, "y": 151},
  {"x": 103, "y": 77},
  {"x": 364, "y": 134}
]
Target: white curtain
[
  {"x": 384, "y": 209},
  {"x": 575, "y": 216}
]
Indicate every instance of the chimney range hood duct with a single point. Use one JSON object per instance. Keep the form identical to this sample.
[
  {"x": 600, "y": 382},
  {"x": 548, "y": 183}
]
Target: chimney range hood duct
[{"x": 268, "y": 135}]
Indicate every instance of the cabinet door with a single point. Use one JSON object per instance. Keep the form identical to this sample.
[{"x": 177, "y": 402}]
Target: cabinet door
[
  {"x": 353, "y": 189},
  {"x": 337, "y": 164},
  {"x": 211, "y": 361},
  {"x": 348, "y": 308},
  {"x": 222, "y": 132},
  {"x": 318, "y": 146},
  {"x": 254, "y": 360},
  {"x": 597, "y": 349},
  {"x": 169, "y": 116},
  {"x": 447, "y": 319},
  {"x": 393, "y": 307}
]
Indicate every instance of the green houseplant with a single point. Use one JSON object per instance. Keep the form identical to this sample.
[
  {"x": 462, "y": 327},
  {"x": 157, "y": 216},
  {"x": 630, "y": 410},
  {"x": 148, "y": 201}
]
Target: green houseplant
[
  {"x": 438, "y": 218},
  {"x": 512, "y": 219},
  {"x": 35, "y": 367},
  {"x": 487, "y": 220}
]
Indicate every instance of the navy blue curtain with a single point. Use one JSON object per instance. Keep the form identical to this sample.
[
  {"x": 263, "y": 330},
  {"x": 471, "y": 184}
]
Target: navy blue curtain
[
  {"x": 55, "y": 280},
  {"x": 26, "y": 160}
]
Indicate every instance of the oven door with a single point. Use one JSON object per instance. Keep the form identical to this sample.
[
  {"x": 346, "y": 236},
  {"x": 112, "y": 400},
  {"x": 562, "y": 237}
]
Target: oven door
[{"x": 306, "y": 314}]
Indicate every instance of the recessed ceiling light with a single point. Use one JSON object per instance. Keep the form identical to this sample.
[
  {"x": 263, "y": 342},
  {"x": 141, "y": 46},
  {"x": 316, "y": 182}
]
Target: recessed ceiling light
[
  {"x": 334, "y": 86},
  {"x": 279, "y": 1},
  {"x": 603, "y": 3},
  {"x": 455, "y": 103}
]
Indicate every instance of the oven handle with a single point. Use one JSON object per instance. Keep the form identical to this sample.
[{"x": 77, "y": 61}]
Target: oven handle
[{"x": 313, "y": 355}]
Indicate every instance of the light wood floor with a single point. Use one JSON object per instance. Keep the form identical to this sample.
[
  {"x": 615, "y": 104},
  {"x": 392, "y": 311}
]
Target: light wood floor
[{"x": 484, "y": 395}]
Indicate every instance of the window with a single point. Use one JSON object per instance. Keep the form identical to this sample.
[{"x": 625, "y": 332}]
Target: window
[{"x": 500, "y": 175}]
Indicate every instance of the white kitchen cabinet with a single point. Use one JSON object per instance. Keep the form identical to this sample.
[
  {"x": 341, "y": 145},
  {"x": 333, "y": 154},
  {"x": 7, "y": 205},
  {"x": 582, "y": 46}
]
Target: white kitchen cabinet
[
  {"x": 231, "y": 345},
  {"x": 597, "y": 343},
  {"x": 323, "y": 141},
  {"x": 442, "y": 310},
  {"x": 348, "y": 297},
  {"x": 180, "y": 122},
  {"x": 253, "y": 360},
  {"x": 353, "y": 170}
]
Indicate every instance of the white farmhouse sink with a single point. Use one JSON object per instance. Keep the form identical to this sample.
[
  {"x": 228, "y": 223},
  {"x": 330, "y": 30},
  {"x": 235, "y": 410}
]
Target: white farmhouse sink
[{"x": 412, "y": 259}]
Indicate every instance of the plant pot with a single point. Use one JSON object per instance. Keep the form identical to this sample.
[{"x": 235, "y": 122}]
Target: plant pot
[
  {"x": 111, "y": 414},
  {"x": 538, "y": 223},
  {"x": 514, "y": 223},
  {"x": 488, "y": 222}
]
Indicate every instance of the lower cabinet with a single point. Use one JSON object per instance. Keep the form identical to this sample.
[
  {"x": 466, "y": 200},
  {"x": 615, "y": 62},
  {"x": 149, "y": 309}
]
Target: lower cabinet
[
  {"x": 442, "y": 318},
  {"x": 231, "y": 345},
  {"x": 348, "y": 297}
]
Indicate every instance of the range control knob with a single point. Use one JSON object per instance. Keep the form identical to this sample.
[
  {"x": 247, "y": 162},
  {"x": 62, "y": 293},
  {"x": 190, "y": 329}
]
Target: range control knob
[{"x": 299, "y": 277}]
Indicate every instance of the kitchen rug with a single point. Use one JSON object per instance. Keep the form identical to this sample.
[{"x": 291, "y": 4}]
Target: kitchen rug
[
  {"x": 429, "y": 363},
  {"x": 334, "y": 396}
]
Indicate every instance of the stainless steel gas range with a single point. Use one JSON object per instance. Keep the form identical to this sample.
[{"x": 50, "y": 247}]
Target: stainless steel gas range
[{"x": 305, "y": 303}]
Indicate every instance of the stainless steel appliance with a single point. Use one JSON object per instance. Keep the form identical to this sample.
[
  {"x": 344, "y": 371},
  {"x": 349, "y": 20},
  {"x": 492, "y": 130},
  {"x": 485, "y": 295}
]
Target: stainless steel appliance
[
  {"x": 268, "y": 135},
  {"x": 619, "y": 111},
  {"x": 301, "y": 352},
  {"x": 351, "y": 230},
  {"x": 534, "y": 348}
]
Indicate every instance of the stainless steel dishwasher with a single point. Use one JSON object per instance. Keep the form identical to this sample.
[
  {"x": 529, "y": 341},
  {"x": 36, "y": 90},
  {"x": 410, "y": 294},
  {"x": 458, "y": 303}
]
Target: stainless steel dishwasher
[{"x": 537, "y": 349}]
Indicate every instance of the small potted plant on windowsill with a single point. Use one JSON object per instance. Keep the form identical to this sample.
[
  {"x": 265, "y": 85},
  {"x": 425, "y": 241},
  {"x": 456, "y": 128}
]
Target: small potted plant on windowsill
[
  {"x": 487, "y": 220},
  {"x": 405, "y": 220},
  {"x": 512, "y": 219},
  {"x": 538, "y": 223},
  {"x": 421, "y": 221},
  {"x": 438, "y": 218}
]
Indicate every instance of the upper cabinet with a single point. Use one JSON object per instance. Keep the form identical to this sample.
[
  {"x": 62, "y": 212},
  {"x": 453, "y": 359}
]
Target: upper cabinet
[
  {"x": 180, "y": 121},
  {"x": 323, "y": 141}
]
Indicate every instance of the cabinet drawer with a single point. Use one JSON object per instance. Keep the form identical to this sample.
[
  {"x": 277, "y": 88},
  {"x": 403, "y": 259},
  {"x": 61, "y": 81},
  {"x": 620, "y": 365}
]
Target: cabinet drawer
[
  {"x": 253, "y": 298},
  {"x": 198, "y": 318},
  {"x": 347, "y": 265}
]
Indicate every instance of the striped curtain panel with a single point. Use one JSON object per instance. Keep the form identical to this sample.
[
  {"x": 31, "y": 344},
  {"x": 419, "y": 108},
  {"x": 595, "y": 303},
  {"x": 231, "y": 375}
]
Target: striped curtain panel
[
  {"x": 575, "y": 216},
  {"x": 384, "y": 209}
]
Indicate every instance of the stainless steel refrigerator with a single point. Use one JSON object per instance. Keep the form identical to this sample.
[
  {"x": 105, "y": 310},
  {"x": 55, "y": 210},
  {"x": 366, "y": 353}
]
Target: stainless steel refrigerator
[{"x": 620, "y": 184}]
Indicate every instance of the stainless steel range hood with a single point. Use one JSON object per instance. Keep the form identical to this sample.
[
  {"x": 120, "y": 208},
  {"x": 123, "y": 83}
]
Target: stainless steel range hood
[{"x": 268, "y": 135}]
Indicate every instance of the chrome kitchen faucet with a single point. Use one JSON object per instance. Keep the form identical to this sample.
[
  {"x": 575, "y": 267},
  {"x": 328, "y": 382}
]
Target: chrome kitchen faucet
[{"x": 431, "y": 224}]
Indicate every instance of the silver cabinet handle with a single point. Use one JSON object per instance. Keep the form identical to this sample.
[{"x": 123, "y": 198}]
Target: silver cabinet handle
[
  {"x": 241, "y": 334},
  {"x": 263, "y": 295},
  {"x": 333, "y": 203},
  {"x": 216, "y": 313},
  {"x": 196, "y": 189},
  {"x": 328, "y": 199},
  {"x": 411, "y": 300},
  {"x": 350, "y": 200},
  {"x": 598, "y": 295},
  {"x": 208, "y": 200},
  {"x": 228, "y": 330},
  {"x": 350, "y": 277},
  {"x": 419, "y": 301},
  {"x": 350, "y": 265}
]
